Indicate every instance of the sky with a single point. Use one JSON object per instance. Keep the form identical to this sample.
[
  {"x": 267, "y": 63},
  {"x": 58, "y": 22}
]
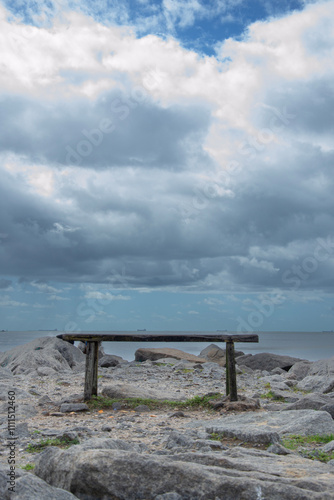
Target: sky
[{"x": 167, "y": 165}]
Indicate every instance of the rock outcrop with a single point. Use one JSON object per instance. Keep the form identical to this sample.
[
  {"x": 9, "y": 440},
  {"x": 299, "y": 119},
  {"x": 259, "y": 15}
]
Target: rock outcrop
[
  {"x": 45, "y": 356},
  {"x": 237, "y": 475},
  {"x": 153, "y": 354},
  {"x": 267, "y": 361}
]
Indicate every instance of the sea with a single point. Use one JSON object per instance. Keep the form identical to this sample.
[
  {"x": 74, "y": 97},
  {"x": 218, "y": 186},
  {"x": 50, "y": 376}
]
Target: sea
[{"x": 304, "y": 345}]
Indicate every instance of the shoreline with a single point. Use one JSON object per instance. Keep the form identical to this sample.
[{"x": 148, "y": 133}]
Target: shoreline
[{"x": 313, "y": 346}]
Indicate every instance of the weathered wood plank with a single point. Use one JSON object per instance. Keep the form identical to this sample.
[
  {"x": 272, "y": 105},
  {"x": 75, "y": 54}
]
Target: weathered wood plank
[
  {"x": 93, "y": 340},
  {"x": 157, "y": 337},
  {"x": 232, "y": 376},
  {"x": 91, "y": 370}
]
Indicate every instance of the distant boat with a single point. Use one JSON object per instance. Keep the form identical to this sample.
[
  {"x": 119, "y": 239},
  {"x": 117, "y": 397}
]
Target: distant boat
[{"x": 142, "y": 330}]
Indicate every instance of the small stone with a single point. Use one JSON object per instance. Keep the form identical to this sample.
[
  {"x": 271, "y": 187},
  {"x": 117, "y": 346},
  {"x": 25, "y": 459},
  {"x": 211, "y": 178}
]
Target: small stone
[
  {"x": 278, "y": 449},
  {"x": 177, "y": 414},
  {"x": 106, "y": 428},
  {"x": 142, "y": 408},
  {"x": 116, "y": 406},
  {"x": 67, "y": 436},
  {"x": 68, "y": 407},
  {"x": 329, "y": 447},
  {"x": 44, "y": 400}
]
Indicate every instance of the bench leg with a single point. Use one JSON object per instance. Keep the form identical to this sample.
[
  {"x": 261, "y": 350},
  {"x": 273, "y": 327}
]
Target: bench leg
[
  {"x": 91, "y": 370},
  {"x": 231, "y": 376}
]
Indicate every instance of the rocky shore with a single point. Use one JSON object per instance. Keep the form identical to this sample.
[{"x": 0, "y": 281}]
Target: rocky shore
[{"x": 162, "y": 428}]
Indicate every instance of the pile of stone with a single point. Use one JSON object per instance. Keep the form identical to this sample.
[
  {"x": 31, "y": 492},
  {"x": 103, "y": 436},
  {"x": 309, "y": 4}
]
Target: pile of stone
[{"x": 171, "y": 455}]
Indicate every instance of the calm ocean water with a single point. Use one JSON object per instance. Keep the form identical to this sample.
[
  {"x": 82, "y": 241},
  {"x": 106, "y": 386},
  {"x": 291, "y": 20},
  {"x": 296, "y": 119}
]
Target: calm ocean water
[{"x": 306, "y": 345}]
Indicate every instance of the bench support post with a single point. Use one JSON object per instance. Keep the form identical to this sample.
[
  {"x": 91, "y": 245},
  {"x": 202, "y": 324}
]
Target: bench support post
[
  {"x": 91, "y": 370},
  {"x": 231, "y": 376}
]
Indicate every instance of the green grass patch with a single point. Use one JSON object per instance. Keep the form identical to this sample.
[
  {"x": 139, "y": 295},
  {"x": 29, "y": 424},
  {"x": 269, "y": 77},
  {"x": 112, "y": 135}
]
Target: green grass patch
[
  {"x": 318, "y": 455},
  {"x": 28, "y": 467},
  {"x": 294, "y": 441},
  {"x": 294, "y": 388},
  {"x": 61, "y": 443},
  {"x": 271, "y": 395},
  {"x": 101, "y": 402}
]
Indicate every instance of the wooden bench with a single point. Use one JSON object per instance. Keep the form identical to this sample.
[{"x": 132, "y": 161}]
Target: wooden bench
[{"x": 93, "y": 340}]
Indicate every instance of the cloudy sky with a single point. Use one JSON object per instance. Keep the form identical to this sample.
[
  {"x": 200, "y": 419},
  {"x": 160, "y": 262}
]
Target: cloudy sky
[{"x": 167, "y": 165}]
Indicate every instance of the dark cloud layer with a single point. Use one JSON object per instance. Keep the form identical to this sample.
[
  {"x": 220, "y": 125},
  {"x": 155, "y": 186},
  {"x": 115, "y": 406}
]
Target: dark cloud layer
[
  {"x": 120, "y": 236},
  {"x": 118, "y": 129},
  {"x": 131, "y": 192}
]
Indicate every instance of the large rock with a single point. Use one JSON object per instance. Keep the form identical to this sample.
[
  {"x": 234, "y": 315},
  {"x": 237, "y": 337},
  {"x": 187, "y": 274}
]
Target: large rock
[
  {"x": 320, "y": 377},
  {"x": 230, "y": 475},
  {"x": 299, "y": 370},
  {"x": 323, "y": 367},
  {"x": 309, "y": 402},
  {"x": 329, "y": 407},
  {"x": 266, "y": 427},
  {"x": 29, "y": 487},
  {"x": 215, "y": 354},
  {"x": 316, "y": 383},
  {"x": 110, "y": 360},
  {"x": 267, "y": 361},
  {"x": 155, "y": 353},
  {"x": 45, "y": 352}
]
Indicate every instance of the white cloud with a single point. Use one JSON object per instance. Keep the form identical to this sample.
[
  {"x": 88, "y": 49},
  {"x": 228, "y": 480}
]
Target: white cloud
[
  {"x": 105, "y": 297},
  {"x": 44, "y": 287},
  {"x": 212, "y": 301},
  {"x": 6, "y": 301},
  {"x": 57, "y": 298}
]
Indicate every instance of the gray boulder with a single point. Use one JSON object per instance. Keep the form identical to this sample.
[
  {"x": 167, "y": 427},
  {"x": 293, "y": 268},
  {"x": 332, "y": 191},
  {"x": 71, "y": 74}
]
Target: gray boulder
[
  {"x": 323, "y": 367},
  {"x": 329, "y": 407},
  {"x": 153, "y": 354},
  {"x": 69, "y": 407},
  {"x": 320, "y": 377},
  {"x": 109, "y": 360},
  {"x": 268, "y": 427},
  {"x": 30, "y": 487},
  {"x": 309, "y": 402},
  {"x": 328, "y": 447},
  {"x": 299, "y": 370},
  {"x": 267, "y": 361},
  {"x": 46, "y": 353},
  {"x": 317, "y": 383},
  {"x": 216, "y": 354},
  {"x": 230, "y": 475}
]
